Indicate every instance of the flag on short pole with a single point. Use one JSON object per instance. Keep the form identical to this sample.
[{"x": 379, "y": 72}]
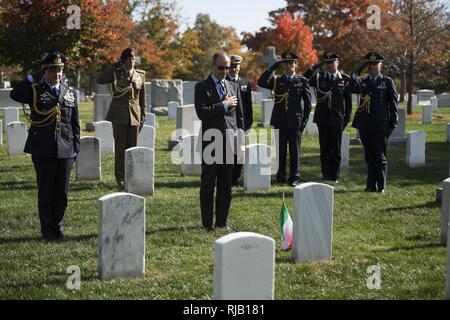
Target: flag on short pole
[{"x": 286, "y": 227}]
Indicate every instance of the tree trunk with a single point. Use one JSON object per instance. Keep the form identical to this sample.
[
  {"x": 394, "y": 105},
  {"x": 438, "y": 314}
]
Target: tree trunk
[
  {"x": 410, "y": 82},
  {"x": 402, "y": 86}
]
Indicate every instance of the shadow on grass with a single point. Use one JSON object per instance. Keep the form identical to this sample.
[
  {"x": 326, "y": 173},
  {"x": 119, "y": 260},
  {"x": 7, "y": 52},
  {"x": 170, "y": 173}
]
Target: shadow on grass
[
  {"x": 178, "y": 184},
  {"x": 431, "y": 245},
  {"x": 17, "y": 185},
  {"x": 174, "y": 229},
  {"x": 39, "y": 239},
  {"x": 428, "y": 205}
]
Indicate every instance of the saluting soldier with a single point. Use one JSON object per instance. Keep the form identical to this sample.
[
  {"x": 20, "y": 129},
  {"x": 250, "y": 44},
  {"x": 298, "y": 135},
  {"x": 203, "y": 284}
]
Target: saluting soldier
[
  {"x": 247, "y": 106},
  {"x": 127, "y": 108},
  {"x": 53, "y": 139},
  {"x": 375, "y": 118},
  {"x": 288, "y": 116},
  {"x": 332, "y": 113}
]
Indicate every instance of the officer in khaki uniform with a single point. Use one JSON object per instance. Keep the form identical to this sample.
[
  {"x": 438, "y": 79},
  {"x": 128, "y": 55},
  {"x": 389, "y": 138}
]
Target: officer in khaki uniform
[
  {"x": 127, "y": 109},
  {"x": 53, "y": 139},
  {"x": 288, "y": 115}
]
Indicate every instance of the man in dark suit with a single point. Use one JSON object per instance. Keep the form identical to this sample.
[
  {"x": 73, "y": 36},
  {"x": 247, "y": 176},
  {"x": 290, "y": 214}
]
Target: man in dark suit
[
  {"x": 218, "y": 105},
  {"x": 288, "y": 116},
  {"x": 53, "y": 139},
  {"x": 332, "y": 113},
  {"x": 375, "y": 118},
  {"x": 245, "y": 90}
]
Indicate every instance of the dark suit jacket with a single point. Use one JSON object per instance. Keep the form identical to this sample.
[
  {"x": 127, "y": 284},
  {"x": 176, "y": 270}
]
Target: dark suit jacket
[
  {"x": 247, "y": 105},
  {"x": 41, "y": 140},
  {"x": 210, "y": 110},
  {"x": 382, "y": 113}
]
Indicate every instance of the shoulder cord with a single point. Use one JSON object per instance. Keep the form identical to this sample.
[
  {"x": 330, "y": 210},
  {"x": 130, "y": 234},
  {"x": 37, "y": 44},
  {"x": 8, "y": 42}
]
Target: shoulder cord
[
  {"x": 283, "y": 97},
  {"x": 113, "y": 87},
  {"x": 54, "y": 114}
]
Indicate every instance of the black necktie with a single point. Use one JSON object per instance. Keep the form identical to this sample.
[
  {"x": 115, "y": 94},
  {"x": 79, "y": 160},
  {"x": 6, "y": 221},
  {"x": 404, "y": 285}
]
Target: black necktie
[{"x": 332, "y": 77}]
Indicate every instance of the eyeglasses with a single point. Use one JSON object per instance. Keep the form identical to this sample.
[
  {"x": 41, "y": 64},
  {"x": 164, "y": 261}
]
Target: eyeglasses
[{"x": 223, "y": 67}]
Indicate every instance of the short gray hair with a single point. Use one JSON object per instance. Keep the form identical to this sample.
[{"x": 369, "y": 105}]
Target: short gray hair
[{"x": 217, "y": 55}]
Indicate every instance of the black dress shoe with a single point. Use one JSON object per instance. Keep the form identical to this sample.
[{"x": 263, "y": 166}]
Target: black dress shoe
[
  {"x": 370, "y": 190},
  {"x": 381, "y": 191}
]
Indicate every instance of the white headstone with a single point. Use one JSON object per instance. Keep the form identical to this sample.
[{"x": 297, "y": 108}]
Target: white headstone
[
  {"x": 427, "y": 114},
  {"x": 256, "y": 97},
  {"x": 188, "y": 92},
  {"x": 313, "y": 222},
  {"x": 311, "y": 127},
  {"x": 424, "y": 95},
  {"x": 187, "y": 121},
  {"x": 16, "y": 136},
  {"x": 104, "y": 131},
  {"x": 146, "y": 137},
  {"x": 191, "y": 148},
  {"x": 415, "y": 148},
  {"x": 414, "y": 100},
  {"x": 150, "y": 119},
  {"x": 444, "y": 99},
  {"x": 266, "y": 111},
  {"x": 11, "y": 115},
  {"x": 88, "y": 164},
  {"x": 121, "y": 234},
  {"x": 345, "y": 150},
  {"x": 445, "y": 210},
  {"x": 173, "y": 105},
  {"x": 265, "y": 93},
  {"x": 257, "y": 171},
  {"x": 244, "y": 267},
  {"x": 6, "y": 101},
  {"x": 399, "y": 132},
  {"x": 447, "y": 282},
  {"x": 139, "y": 171},
  {"x": 448, "y": 132},
  {"x": 101, "y": 106},
  {"x": 434, "y": 103}
]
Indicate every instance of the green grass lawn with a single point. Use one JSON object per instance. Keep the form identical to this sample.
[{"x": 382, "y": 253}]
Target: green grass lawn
[{"x": 398, "y": 231}]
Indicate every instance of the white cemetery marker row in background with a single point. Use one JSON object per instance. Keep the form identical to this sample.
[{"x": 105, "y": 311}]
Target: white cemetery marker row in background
[
  {"x": 16, "y": 136},
  {"x": 244, "y": 267},
  {"x": 427, "y": 114},
  {"x": 88, "y": 164},
  {"x": 139, "y": 171},
  {"x": 104, "y": 131},
  {"x": 121, "y": 235},
  {"x": 313, "y": 222}
]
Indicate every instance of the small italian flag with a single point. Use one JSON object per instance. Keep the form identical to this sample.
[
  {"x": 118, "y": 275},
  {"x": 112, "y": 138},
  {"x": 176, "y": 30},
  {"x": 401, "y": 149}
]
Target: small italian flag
[{"x": 285, "y": 228}]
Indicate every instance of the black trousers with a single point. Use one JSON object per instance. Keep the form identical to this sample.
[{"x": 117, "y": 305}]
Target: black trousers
[
  {"x": 293, "y": 137},
  {"x": 125, "y": 137},
  {"x": 375, "y": 144},
  {"x": 52, "y": 177},
  {"x": 330, "y": 151},
  {"x": 220, "y": 177}
]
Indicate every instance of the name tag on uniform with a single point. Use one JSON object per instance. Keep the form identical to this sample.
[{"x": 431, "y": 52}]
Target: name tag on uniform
[
  {"x": 244, "y": 88},
  {"x": 381, "y": 87},
  {"x": 46, "y": 97}
]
